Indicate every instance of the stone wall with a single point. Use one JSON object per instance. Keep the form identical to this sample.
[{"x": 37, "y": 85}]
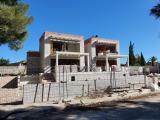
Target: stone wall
[
  {"x": 9, "y": 91},
  {"x": 10, "y": 95},
  {"x": 8, "y": 82},
  {"x": 141, "y": 69},
  {"x": 12, "y": 70}
]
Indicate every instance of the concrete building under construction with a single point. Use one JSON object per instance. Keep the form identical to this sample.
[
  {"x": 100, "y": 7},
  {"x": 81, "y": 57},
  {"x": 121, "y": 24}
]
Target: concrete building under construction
[{"x": 70, "y": 57}]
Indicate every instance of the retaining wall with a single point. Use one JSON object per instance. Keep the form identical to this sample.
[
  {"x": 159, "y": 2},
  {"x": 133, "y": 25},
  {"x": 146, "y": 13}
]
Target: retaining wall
[
  {"x": 10, "y": 95},
  {"x": 8, "y": 82},
  {"x": 12, "y": 70},
  {"x": 62, "y": 90}
]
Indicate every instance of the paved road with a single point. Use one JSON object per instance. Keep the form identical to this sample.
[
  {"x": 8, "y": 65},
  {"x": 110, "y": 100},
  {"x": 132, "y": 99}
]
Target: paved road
[{"x": 140, "y": 109}]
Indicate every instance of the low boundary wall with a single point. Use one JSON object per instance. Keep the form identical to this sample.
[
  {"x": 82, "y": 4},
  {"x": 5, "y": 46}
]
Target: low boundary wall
[
  {"x": 10, "y": 96},
  {"x": 67, "y": 90},
  {"x": 12, "y": 70}
]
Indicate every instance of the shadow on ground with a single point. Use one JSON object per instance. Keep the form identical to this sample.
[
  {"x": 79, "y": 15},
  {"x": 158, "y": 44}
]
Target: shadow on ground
[{"x": 124, "y": 110}]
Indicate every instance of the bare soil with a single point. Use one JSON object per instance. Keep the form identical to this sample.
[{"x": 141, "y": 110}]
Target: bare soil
[{"x": 145, "y": 108}]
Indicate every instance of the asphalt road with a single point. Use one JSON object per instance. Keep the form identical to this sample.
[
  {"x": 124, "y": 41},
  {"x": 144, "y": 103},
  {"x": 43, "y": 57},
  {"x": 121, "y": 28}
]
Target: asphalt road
[{"x": 140, "y": 109}]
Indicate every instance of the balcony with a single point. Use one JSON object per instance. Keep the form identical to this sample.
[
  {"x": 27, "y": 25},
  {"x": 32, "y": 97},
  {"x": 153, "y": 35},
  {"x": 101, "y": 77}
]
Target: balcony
[
  {"x": 108, "y": 52},
  {"x": 64, "y": 47}
]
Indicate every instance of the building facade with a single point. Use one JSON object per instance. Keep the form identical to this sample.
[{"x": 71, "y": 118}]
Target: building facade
[
  {"x": 61, "y": 49},
  {"x": 103, "y": 53},
  {"x": 59, "y": 53}
]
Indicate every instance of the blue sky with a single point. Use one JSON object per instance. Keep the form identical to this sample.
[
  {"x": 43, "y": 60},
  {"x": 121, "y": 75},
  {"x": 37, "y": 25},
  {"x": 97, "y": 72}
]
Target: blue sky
[{"x": 123, "y": 20}]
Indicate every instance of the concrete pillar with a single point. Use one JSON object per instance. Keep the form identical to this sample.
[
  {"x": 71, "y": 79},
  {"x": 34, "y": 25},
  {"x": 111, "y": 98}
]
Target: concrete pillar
[
  {"x": 82, "y": 58},
  {"x": 88, "y": 64},
  {"x": 57, "y": 69},
  {"x": 82, "y": 62},
  {"x": 127, "y": 61},
  {"x": 93, "y": 55},
  {"x": 40, "y": 77},
  {"x": 118, "y": 50},
  {"x": 18, "y": 80},
  {"x": 107, "y": 65},
  {"x": 118, "y": 62},
  {"x": 47, "y": 56},
  {"x": 56, "y": 62}
]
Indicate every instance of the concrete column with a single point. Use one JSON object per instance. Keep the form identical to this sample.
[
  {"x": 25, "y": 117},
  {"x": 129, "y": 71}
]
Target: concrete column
[
  {"x": 40, "y": 77},
  {"x": 57, "y": 69},
  {"x": 127, "y": 61},
  {"x": 47, "y": 56},
  {"x": 88, "y": 64},
  {"x": 118, "y": 62},
  {"x": 82, "y": 62},
  {"x": 82, "y": 58},
  {"x": 107, "y": 65},
  {"x": 93, "y": 55},
  {"x": 118, "y": 50},
  {"x": 56, "y": 62},
  {"x": 18, "y": 80}
]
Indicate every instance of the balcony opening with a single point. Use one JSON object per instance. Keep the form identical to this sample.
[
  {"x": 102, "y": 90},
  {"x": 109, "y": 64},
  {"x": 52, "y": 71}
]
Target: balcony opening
[
  {"x": 104, "y": 49},
  {"x": 64, "y": 46},
  {"x": 102, "y": 64}
]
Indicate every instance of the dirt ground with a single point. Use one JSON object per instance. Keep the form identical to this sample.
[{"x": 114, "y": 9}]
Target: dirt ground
[{"x": 146, "y": 108}]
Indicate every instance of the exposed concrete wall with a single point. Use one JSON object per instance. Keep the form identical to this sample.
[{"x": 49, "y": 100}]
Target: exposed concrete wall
[
  {"x": 40, "y": 93},
  {"x": 81, "y": 76},
  {"x": 82, "y": 58},
  {"x": 74, "y": 47},
  {"x": 45, "y": 52},
  {"x": 29, "y": 79},
  {"x": 91, "y": 48},
  {"x": 41, "y": 50},
  {"x": 92, "y": 54},
  {"x": 47, "y": 55},
  {"x": 58, "y": 91},
  {"x": 33, "y": 65}
]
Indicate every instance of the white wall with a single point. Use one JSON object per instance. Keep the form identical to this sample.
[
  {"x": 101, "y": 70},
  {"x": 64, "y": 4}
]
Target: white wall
[
  {"x": 47, "y": 57},
  {"x": 82, "y": 58}
]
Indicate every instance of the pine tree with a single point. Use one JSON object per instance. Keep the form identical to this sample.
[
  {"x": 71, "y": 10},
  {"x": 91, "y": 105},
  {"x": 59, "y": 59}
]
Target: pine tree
[
  {"x": 4, "y": 61},
  {"x": 9, "y": 2},
  {"x": 143, "y": 62},
  {"x": 13, "y": 23},
  {"x": 131, "y": 54},
  {"x": 155, "y": 11},
  {"x": 152, "y": 60}
]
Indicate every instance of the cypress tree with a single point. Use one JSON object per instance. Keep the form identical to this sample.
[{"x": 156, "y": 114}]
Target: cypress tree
[
  {"x": 143, "y": 62},
  {"x": 131, "y": 54},
  {"x": 137, "y": 60}
]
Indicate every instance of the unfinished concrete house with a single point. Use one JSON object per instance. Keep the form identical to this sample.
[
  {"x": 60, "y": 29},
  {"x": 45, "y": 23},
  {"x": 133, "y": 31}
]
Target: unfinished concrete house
[
  {"x": 104, "y": 54},
  {"x": 62, "y": 52},
  {"x": 61, "y": 49},
  {"x": 66, "y": 57}
]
